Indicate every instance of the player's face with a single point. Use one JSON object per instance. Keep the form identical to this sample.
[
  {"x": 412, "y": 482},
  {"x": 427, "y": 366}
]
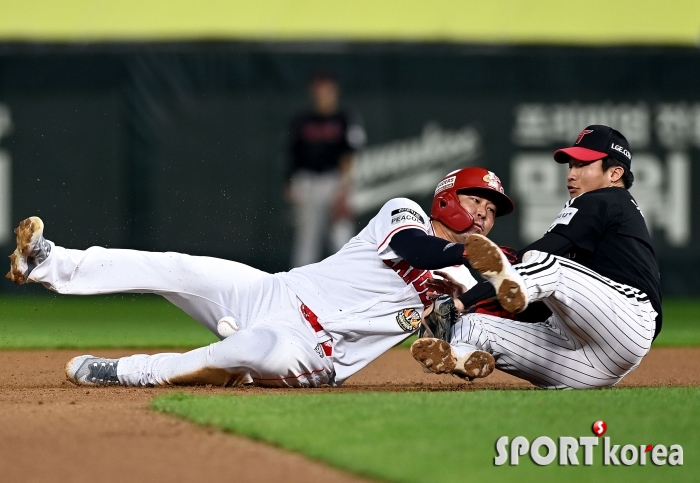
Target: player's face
[
  {"x": 585, "y": 177},
  {"x": 324, "y": 95},
  {"x": 483, "y": 211}
]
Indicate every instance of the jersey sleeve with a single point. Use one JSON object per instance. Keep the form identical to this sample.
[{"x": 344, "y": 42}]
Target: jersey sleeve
[
  {"x": 584, "y": 219},
  {"x": 396, "y": 215}
]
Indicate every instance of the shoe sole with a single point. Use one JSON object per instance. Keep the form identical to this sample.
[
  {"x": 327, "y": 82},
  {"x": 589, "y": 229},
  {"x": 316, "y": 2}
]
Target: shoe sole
[
  {"x": 27, "y": 232},
  {"x": 436, "y": 356},
  {"x": 486, "y": 258},
  {"x": 479, "y": 364}
]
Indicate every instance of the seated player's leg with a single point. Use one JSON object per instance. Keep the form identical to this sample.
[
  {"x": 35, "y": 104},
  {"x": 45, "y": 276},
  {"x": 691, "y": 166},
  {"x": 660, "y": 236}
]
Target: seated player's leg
[
  {"x": 205, "y": 288},
  {"x": 270, "y": 355},
  {"x": 542, "y": 353},
  {"x": 614, "y": 322},
  {"x": 609, "y": 324}
]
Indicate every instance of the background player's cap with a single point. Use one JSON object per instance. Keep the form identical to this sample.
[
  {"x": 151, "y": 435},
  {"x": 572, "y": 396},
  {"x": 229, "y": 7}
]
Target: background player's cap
[{"x": 594, "y": 143}]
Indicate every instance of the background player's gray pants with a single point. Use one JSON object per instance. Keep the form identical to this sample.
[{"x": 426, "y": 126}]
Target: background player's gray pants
[
  {"x": 316, "y": 194},
  {"x": 598, "y": 333}
]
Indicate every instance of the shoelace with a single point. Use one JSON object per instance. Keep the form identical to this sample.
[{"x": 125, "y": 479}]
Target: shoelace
[{"x": 103, "y": 372}]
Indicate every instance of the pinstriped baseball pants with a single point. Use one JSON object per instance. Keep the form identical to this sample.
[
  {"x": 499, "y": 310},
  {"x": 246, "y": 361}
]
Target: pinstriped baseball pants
[{"x": 599, "y": 330}]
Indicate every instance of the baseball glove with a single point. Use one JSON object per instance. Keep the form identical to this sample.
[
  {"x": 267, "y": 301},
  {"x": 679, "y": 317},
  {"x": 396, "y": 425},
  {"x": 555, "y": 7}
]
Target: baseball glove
[{"x": 437, "y": 324}]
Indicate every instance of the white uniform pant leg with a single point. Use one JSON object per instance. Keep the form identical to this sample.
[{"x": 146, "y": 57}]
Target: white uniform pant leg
[
  {"x": 205, "y": 288},
  {"x": 268, "y": 354},
  {"x": 315, "y": 194}
]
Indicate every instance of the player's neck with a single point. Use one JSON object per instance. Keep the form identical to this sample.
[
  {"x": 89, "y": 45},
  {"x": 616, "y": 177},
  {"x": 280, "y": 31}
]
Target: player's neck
[{"x": 441, "y": 231}]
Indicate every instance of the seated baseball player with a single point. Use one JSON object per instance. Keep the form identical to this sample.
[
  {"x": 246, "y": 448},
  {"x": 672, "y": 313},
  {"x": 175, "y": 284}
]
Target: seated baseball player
[
  {"x": 595, "y": 269},
  {"x": 317, "y": 324}
]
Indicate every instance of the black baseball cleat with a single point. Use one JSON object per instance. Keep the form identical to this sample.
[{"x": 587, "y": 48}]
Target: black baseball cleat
[
  {"x": 463, "y": 360},
  {"x": 487, "y": 258}
]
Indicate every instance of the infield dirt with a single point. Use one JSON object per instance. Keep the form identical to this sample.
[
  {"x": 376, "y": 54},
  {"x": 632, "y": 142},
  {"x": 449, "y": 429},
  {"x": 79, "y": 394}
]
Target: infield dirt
[{"x": 53, "y": 431}]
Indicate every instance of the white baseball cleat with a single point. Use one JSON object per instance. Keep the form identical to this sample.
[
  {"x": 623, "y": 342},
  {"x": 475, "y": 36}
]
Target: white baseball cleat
[
  {"x": 31, "y": 249},
  {"x": 92, "y": 371},
  {"x": 464, "y": 360},
  {"x": 487, "y": 258}
]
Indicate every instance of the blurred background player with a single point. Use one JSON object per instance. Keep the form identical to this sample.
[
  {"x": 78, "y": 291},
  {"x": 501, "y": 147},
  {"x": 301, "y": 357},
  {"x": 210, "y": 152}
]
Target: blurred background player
[{"x": 321, "y": 146}]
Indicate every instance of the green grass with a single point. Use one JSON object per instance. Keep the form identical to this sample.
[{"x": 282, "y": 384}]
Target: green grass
[
  {"x": 451, "y": 436},
  {"x": 681, "y": 326},
  {"x": 118, "y": 321},
  {"x": 143, "y": 321}
]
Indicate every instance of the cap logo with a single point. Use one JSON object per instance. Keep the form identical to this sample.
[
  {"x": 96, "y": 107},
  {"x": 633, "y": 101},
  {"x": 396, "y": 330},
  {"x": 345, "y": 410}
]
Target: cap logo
[
  {"x": 446, "y": 183},
  {"x": 493, "y": 181},
  {"x": 581, "y": 134},
  {"x": 622, "y": 150}
]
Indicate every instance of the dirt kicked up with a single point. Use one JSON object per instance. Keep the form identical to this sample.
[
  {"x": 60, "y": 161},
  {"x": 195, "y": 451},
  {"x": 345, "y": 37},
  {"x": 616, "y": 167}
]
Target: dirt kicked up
[{"x": 51, "y": 430}]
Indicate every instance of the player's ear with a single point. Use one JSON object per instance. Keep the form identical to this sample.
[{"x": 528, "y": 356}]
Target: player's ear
[{"x": 616, "y": 173}]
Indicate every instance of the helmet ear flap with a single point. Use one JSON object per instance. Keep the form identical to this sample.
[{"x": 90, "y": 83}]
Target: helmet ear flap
[{"x": 447, "y": 210}]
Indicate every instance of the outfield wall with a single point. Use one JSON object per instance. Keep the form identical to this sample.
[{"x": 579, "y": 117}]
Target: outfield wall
[{"x": 180, "y": 146}]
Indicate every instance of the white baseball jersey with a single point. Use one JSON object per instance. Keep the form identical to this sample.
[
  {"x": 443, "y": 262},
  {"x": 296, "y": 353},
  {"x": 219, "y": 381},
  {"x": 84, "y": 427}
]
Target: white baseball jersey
[{"x": 365, "y": 298}]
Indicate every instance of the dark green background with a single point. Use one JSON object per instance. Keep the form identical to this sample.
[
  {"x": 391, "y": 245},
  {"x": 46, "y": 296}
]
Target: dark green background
[{"x": 180, "y": 146}]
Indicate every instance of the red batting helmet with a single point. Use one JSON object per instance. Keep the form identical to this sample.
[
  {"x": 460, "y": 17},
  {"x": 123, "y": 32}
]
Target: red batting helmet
[{"x": 446, "y": 207}]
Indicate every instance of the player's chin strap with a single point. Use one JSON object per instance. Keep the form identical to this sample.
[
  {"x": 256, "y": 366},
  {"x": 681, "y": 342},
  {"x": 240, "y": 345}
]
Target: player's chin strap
[{"x": 324, "y": 338}]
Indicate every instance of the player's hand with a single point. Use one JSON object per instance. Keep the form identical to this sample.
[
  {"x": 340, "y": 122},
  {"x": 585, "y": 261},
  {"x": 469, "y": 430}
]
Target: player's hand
[{"x": 446, "y": 285}]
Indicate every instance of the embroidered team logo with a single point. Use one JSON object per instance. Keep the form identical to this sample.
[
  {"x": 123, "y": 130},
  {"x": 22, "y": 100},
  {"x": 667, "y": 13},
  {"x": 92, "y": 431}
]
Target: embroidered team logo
[
  {"x": 581, "y": 134},
  {"x": 408, "y": 319},
  {"x": 493, "y": 181}
]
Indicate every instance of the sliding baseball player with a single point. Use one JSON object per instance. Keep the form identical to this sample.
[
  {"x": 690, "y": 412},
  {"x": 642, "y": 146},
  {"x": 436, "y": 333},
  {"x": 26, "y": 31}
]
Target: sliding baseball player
[{"x": 317, "y": 324}]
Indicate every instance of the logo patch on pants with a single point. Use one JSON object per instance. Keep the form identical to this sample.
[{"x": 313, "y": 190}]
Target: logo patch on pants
[{"x": 408, "y": 319}]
